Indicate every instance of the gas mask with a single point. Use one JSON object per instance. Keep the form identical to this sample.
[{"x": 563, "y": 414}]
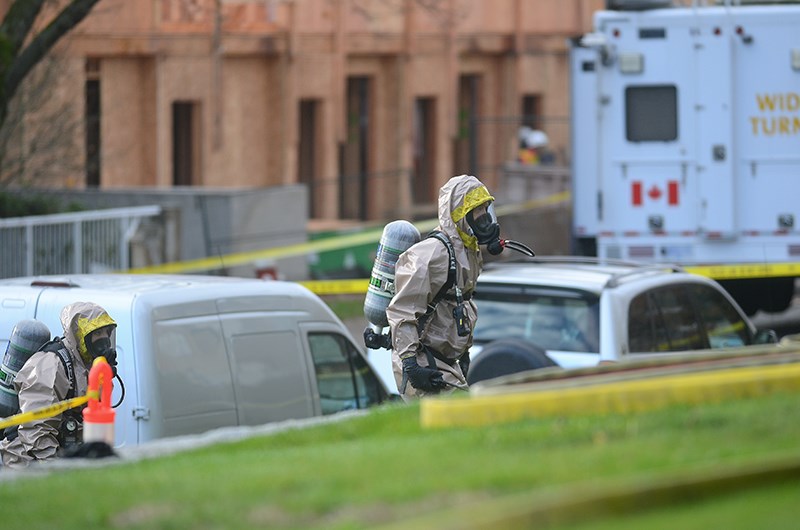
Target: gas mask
[
  {"x": 483, "y": 222},
  {"x": 100, "y": 342}
]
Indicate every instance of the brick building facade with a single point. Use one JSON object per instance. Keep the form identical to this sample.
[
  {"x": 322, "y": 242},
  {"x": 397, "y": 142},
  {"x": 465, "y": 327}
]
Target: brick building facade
[{"x": 372, "y": 103}]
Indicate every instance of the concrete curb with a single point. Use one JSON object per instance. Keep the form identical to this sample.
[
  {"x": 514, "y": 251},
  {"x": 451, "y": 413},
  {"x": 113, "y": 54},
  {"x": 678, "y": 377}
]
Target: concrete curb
[{"x": 616, "y": 397}]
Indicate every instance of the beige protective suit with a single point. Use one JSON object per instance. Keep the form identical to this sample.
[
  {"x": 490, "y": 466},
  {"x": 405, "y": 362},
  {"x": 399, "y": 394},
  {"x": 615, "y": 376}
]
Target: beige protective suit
[
  {"x": 43, "y": 381},
  {"x": 419, "y": 274}
]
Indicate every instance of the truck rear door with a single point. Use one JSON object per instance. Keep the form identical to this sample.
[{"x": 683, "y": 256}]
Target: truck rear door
[{"x": 649, "y": 131}]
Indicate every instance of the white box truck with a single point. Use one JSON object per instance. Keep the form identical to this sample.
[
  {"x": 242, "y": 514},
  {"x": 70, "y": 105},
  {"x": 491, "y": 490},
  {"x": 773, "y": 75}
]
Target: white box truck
[
  {"x": 686, "y": 141},
  {"x": 197, "y": 353}
]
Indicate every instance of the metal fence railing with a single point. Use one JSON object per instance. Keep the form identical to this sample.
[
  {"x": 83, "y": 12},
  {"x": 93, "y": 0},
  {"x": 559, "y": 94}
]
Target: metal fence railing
[{"x": 81, "y": 242}]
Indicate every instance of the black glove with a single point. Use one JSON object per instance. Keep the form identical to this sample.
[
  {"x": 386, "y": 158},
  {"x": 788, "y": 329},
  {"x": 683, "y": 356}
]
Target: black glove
[
  {"x": 374, "y": 341},
  {"x": 464, "y": 363},
  {"x": 421, "y": 378}
]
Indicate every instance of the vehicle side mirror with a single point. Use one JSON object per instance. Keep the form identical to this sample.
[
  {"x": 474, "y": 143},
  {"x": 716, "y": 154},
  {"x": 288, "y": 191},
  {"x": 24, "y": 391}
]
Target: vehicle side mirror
[{"x": 765, "y": 336}]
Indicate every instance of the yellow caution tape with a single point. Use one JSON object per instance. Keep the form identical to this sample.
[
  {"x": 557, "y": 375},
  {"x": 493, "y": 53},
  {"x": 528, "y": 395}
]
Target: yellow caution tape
[
  {"x": 331, "y": 287},
  {"x": 322, "y": 245},
  {"x": 47, "y": 412},
  {"x": 741, "y": 271}
]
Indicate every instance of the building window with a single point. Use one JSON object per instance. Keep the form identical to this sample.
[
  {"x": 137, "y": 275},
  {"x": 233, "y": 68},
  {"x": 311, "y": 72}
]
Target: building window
[
  {"x": 185, "y": 143},
  {"x": 424, "y": 151},
  {"x": 532, "y": 111},
  {"x": 307, "y": 150},
  {"x": 92, "y": 117},
  {"x": 467, "y": 138},
  {"x": 354, "y": 159}
]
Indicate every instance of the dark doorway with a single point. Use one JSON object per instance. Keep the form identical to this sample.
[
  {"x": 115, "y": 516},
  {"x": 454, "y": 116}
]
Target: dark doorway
[
  {"x": 467, "y": 141},
  {"x": 532, "y": 111},
  {"x": 424, "y": 151},
  {"x": 185, "y": 143},
  {"x": 354, "y": 159},
  {"x": 307, "y": 151},
  {"x": 92, "y": 118}
]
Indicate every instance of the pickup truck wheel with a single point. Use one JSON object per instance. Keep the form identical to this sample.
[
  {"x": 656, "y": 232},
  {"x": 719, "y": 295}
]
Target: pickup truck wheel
[{"x": 507, "y": 356}]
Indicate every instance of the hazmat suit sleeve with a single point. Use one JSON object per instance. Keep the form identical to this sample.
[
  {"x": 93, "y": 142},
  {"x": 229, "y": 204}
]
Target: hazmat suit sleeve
[
  {"x": 420, "y": 273},
  {"x": 42, "y": 381}
]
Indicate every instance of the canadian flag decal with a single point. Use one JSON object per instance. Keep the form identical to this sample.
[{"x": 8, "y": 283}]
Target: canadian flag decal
[{"x": 654, "y": 193}]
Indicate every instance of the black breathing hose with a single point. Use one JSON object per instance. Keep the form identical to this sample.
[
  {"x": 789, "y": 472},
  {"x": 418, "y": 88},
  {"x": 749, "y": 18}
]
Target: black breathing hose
[
  {"x": 519, "y": 247},
  {"x": 122, "y": 387}
]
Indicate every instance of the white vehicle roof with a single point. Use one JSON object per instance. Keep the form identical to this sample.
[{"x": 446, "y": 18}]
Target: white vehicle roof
[
  {"x": 178, "y": 288},
  {"x": 145, "y": 283},
  {"x": 586, "y": 275}
]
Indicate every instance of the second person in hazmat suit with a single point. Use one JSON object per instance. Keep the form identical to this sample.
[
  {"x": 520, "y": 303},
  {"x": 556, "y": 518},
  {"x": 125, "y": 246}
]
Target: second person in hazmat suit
[
  {"x": 49, "y": 377},
  {"x": 431, "y": 337}
]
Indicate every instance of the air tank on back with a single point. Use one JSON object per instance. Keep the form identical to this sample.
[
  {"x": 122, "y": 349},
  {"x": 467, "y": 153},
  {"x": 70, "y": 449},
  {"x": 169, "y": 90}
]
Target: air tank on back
[
  {"x": 27, "y": 337},
  {"x": 396, "y": 238}
]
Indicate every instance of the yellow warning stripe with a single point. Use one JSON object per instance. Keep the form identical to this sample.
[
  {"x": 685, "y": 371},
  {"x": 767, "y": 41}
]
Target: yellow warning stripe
[
  {"x": 333, "y": 287},
  {"x": 46, "y": 412},
  {"x": 746, "y": 270},
  {"x": 322, "y": 245},
  {"x": 620, "y": 396}
]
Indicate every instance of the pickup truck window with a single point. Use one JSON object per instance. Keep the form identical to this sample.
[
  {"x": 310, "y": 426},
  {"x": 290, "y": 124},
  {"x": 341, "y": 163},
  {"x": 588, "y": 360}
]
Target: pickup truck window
[
  {"x": 344, "y": 379},
  {"x": 724, "y": 325},
  {"x": 664, "y": 319}
]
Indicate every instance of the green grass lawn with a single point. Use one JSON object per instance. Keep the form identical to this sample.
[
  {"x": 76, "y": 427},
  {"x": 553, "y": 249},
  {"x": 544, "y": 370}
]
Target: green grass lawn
[{"x": 382, "y": 467}]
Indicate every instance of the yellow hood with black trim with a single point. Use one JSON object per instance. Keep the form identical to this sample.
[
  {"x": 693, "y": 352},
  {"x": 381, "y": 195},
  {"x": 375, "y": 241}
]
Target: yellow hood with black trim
[
  {"x": 79, "y": 320},
  {"x": 459, "y": 196}
]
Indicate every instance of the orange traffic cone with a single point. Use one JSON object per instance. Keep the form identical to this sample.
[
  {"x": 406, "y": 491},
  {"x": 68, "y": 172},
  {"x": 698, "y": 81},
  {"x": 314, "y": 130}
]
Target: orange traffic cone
[{"x": 98, "y": 416}]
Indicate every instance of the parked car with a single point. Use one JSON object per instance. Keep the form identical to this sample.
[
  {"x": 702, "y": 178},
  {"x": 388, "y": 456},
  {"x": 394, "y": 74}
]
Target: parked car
[
  {"x": 201, "y": 352},
  {"x": 577, "y": 312}
]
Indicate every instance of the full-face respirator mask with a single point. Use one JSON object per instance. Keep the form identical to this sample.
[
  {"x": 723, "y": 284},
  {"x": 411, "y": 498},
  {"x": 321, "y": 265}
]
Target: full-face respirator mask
[
  {"x": 482, "y": 220},
  {"x": 101, "y": 342}
]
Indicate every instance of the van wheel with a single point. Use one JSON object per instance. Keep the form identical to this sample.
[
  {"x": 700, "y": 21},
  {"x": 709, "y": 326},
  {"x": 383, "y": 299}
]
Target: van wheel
[{"x": 507, "y": 356}]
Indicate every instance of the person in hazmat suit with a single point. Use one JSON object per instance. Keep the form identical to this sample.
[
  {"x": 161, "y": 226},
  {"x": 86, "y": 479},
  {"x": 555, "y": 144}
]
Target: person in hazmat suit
[
  {"x": 59, "y": 372},
  {"x": 431, "y": 330}
]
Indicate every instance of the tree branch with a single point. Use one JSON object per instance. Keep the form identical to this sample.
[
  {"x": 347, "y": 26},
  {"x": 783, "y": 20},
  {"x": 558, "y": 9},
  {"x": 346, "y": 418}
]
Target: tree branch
[
  {"x": 17, "y": 23},
  {"x": 67, "y": 19}
]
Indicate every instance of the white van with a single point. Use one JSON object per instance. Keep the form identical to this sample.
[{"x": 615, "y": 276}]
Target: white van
[{"x": 200, "y": 352}]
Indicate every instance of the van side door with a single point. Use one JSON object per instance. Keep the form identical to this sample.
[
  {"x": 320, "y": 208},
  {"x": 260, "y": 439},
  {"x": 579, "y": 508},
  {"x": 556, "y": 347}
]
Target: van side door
[{"x": 269, "y": 366}]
